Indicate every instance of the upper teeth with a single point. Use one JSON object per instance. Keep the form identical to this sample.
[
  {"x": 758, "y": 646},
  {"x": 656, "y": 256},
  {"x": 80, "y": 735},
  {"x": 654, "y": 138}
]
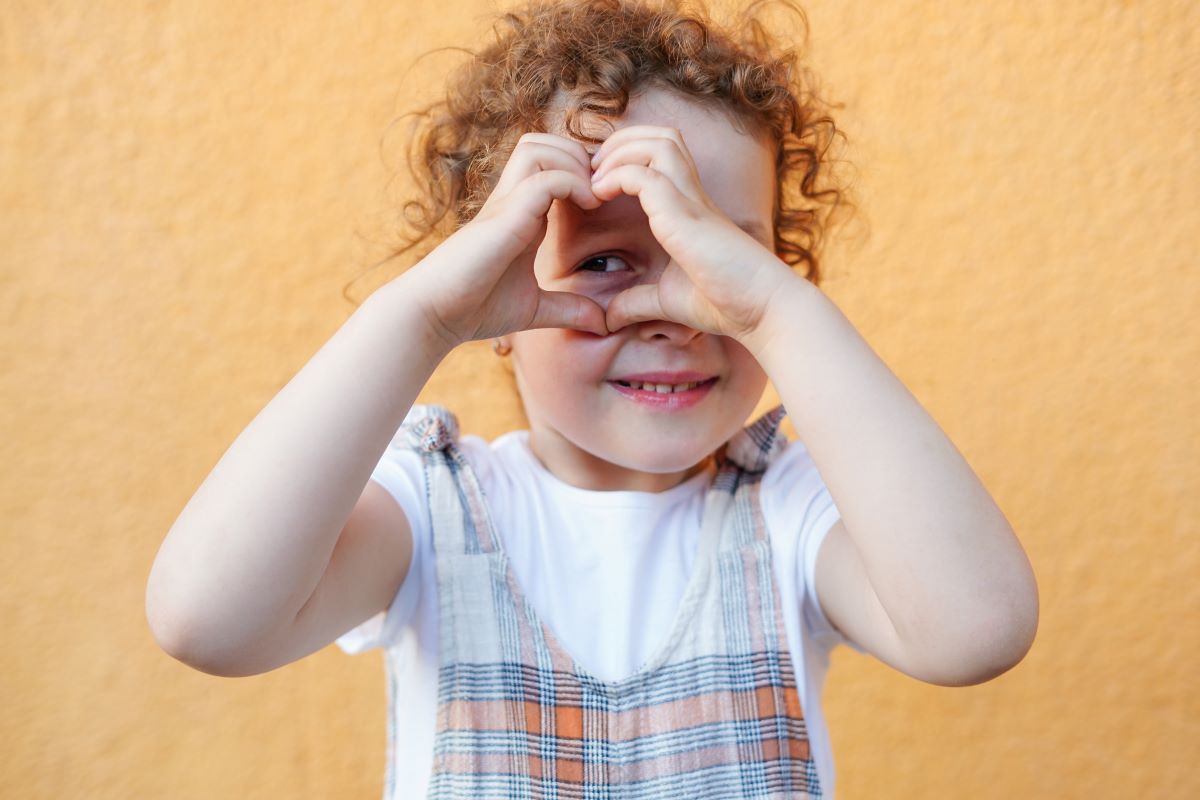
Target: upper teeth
[{"x": 665, "y": 388}]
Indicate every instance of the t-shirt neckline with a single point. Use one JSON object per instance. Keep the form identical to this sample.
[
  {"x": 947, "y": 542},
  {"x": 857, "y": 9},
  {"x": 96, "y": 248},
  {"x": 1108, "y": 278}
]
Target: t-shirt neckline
[{"x": 609, "y": 498}]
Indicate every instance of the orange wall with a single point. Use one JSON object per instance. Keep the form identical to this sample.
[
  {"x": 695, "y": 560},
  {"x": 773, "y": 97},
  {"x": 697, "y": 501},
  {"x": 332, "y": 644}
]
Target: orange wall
[{"x": 187, "y": 187}]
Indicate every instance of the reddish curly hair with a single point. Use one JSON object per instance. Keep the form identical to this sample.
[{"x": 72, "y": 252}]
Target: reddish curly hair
[{"x": 596, "y": 53}]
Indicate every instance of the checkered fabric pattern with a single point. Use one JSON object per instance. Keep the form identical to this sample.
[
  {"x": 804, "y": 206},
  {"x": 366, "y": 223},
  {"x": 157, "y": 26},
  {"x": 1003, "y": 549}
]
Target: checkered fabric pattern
[{"x": 714, "y": 712}]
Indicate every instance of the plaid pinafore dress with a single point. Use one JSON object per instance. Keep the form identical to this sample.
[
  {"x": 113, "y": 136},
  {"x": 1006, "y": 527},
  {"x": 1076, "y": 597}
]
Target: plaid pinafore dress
[{"x": 713, "y": 713}]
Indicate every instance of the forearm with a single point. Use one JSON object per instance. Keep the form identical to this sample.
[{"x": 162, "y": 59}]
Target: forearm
[
  {"x": 941, "y": 556},
  {"x": 251, "y": 545}
]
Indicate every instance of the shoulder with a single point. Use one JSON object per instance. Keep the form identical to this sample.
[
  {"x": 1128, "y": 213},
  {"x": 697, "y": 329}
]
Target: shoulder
[
  {"x": 796, "y": 505},
  {"x": 806, "y": 529},
  {"x": 791, "y": 479},
  {"x": 429, "y": 426},
  {"x": 797, "y": 508},
  {"x": 426, "y": 428}
]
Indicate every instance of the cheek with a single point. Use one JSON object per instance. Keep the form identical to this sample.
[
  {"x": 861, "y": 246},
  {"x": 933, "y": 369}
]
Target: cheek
[
  {"x": 750, "y": 373},
  {"x": 556, "y": 361}
]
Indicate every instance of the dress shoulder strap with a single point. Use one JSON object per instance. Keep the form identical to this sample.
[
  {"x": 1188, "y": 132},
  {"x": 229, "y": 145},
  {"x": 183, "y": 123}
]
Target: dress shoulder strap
[
  {"x": 429, "y": 428},
  {"x": 459, "y": 514},
  {"x": 758, "y": 444},
  {"x": 742, "y": 462},
  {"x": 457, "y": 508}
]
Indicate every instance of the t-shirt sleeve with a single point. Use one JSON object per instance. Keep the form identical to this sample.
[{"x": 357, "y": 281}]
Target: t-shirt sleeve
[
  {"x": 401, "y": 472},
  {"x": 793, "y": 490}
]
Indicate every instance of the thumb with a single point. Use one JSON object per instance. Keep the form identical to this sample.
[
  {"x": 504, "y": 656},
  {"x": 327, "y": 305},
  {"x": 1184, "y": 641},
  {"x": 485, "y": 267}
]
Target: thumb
[
  {"x": 568, "y": 310},
  {"x": 635, "y": 304}
]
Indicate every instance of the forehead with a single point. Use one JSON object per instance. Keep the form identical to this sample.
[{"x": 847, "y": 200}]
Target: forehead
[{"x": 736, "y": 168}]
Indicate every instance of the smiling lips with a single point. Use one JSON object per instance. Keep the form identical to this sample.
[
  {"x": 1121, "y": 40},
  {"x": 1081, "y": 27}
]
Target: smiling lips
[{"x": 669, "y": 391}]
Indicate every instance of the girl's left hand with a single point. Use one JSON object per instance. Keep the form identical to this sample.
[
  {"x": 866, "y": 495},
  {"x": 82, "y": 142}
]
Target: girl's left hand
[{"x": 719, "y": 278}]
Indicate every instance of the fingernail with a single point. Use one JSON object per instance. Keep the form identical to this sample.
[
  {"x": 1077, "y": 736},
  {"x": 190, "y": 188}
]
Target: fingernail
[{"x": 595, "y": 158}]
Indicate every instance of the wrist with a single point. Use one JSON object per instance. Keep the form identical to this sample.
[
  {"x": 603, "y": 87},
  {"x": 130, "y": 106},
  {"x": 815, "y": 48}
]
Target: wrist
[
  {"x": 401, "y": 302},
  {"x": 779, "y": 316}
]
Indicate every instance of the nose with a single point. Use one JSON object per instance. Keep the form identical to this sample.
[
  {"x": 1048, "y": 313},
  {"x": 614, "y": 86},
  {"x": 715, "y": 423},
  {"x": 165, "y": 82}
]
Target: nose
[
  {"x": 664, "y": 331},
  {"x": 675, "y": 333}
]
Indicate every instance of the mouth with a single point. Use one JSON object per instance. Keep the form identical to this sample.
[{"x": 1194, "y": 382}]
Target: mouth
[
  {"x": 663, "y": 387},
  {"x": 669, "y": 396}
]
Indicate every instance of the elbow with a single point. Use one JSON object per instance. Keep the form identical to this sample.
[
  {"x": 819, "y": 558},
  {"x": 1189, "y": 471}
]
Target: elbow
[
  {"x": 170, "y": 635},
  {"x": 179, "y": 647},
  {"x": 1004, "y": 628},
  {"x": 175, "y": 635},
  {"x": 993, "y": 653},
  {"x": 997, "y": 643},
  {"x": 162, "y": 621},
  {"x": 1015, "y": 623}
]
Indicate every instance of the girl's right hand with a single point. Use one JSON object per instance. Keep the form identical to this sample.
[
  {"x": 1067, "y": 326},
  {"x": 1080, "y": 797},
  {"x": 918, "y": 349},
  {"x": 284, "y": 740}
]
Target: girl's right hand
[{"x": 480, "y": 282}]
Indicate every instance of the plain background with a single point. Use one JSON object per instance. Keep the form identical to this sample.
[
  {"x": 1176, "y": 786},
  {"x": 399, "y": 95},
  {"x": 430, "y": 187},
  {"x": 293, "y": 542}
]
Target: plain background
[{"x": 186, "y": 188}]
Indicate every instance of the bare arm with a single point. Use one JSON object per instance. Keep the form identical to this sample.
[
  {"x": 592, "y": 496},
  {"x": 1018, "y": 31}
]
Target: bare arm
[
  {"x": 281, "y": 544},
  {"x": 252, "y": 544},
  {"x": 924, "y": 571},
  {"x": 927, "y": 572}
]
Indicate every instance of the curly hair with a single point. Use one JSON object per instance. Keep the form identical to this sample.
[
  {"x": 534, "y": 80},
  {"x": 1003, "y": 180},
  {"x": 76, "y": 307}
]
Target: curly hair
[{"x": 596, "y": 54}]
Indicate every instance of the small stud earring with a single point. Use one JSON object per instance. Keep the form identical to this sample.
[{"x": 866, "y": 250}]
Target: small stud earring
[{"x": 500, "y": 348}]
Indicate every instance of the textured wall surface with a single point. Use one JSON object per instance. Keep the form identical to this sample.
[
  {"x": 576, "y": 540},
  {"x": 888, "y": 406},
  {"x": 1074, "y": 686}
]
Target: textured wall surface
[{"x": 186, "y": 188}]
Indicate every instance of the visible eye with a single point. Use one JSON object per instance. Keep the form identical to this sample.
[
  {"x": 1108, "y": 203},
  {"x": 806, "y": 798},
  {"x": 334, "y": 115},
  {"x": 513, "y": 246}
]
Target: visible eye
[{"x": 586, "y": 266}]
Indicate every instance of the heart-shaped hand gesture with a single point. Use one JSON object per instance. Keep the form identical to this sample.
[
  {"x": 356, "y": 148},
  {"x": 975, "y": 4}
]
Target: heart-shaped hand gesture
[
  {"x": 720, "y": 278},
  {"x": 480, "y": 281}
]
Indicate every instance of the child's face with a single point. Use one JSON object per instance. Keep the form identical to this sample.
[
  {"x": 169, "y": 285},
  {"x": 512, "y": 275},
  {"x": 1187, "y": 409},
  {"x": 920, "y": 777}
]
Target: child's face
[{"x": 586, "y": 431}]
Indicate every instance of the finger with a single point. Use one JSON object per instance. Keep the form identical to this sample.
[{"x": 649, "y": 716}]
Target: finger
[
  {"x": 531, "y": 200},
  {"x": 625, "y": 135},
  {"x": 657, "y": 193},
  {"x": 569, "y": 310},
  {"x": 541, "y": 144},
  {"x": 536, "y": 156},
  {"x": 574, "y": 148},
  {"x": 661, "y": 154},
  {"x": 536, "y": 193},
  {"x": 635, "y": 304}
]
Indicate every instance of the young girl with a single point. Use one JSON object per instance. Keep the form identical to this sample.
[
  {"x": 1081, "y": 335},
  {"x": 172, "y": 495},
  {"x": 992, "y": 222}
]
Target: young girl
[{"x": 637, "y": 596}]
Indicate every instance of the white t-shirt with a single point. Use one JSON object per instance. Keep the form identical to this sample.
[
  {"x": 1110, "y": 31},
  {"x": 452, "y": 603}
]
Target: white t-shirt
[{"x": 634, "y": 550}]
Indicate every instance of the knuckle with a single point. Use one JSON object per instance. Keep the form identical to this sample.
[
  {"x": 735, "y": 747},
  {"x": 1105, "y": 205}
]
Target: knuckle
[
  {"x": 546, "y": 177},
  {"x": 536, "y": 178}
]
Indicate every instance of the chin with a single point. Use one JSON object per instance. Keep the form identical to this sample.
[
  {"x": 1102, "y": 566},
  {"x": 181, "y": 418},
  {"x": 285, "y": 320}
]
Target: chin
[{"x": 663, "y": 462}]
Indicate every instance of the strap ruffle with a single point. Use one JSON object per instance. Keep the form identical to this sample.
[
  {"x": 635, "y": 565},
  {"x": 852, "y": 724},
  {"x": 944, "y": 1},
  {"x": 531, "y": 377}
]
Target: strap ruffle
[
  {"x": 430, "y": 428},
  {"x": 755, "y": 446}
]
